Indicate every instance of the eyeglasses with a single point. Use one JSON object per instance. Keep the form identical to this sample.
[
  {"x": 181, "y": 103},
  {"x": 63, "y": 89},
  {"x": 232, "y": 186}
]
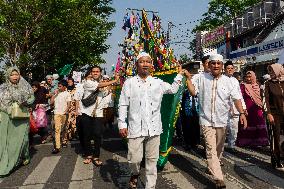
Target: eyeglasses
[{"x": 215, "y": 62}]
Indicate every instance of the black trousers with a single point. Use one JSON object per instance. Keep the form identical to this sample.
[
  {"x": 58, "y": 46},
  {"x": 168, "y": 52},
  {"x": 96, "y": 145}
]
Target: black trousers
[
  {"x": 279, "y": 125},
  {"x": 80, "y": 128},
  {"x": 42, "y": 131},
  {"x": 191, "y": 130},
  {"x": 93, "y": 130}
]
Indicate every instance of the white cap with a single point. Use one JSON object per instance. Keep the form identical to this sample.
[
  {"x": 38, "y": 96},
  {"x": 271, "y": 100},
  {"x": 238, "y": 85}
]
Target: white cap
[
  {"x": 43, "y": 82},
  {"x": 216, "y": 57},
  {"x": 143, "y": 54},
  {"x": 106, "y": 77},
  {"x": 55, "y": 76}
]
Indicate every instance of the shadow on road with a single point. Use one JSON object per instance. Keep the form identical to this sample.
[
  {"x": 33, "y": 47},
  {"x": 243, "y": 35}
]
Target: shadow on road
[{"x": 188, "y": 167}]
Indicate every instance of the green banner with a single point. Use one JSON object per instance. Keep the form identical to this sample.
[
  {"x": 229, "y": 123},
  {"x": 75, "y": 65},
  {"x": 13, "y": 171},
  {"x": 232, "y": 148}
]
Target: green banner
[{"x": 169, "y": 110}]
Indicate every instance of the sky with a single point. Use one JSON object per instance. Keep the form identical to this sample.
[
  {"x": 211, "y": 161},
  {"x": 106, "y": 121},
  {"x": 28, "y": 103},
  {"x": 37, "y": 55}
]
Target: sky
[{"x": 179, "y": 12}]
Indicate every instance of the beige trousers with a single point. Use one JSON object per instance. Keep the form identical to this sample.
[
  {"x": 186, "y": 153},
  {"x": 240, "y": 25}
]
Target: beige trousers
[
  {"x": 135, "y": 155},
  {"x": 59, "y": 124},
  {"x": 214, "y": 141}
]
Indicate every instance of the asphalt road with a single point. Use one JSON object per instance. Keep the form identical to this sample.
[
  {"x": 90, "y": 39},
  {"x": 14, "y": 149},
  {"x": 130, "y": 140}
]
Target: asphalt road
[{"x": 245, "y": 168}]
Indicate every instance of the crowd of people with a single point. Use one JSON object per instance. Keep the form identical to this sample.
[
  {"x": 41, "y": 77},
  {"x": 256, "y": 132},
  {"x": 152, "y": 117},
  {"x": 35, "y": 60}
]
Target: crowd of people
[
  {"x": 215, "y": 106},
  {"x": 53, "y": 110}
]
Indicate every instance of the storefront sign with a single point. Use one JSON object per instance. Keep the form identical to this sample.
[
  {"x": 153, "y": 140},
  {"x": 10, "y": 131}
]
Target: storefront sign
[
  {"x": 271, "y": 46},
  {"x": 213, "y": 37},
  {"x": 262, "y": 48}
]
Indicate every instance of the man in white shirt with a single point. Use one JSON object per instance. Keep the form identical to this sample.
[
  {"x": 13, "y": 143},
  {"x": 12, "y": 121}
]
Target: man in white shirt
[
  {"x": 61, "y": 100},
  {"x": 77, "y": 97},
  {"x": 92, "y": 116},
  {"x": 140, "y": 103},
  {"x": 233, "y": 122},
  {"x": 215, "y": 92}
]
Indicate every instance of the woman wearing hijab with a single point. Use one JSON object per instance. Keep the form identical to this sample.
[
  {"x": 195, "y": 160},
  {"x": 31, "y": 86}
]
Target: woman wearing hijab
[
  {"x": 274, "y": 101},
  {"x": 14, "y": 144},
  {"x": 256, "y": 133}
]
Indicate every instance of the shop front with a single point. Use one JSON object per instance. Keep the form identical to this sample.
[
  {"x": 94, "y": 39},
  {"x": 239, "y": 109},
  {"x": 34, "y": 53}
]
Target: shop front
[{"x": 258, "y": 57}]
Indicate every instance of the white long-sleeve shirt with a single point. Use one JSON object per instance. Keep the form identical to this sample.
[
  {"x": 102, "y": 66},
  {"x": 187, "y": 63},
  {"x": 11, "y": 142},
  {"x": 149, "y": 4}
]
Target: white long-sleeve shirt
[
  {"x": 140, "y": 102},
  {"x": 78, "y": 96},
  {"x": 234, "y": 110},
  {"x": 215, "y": 95}
]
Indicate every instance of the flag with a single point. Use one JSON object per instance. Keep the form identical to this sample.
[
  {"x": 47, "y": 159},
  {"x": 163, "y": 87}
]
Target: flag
[{"x": 65, "y": 70}]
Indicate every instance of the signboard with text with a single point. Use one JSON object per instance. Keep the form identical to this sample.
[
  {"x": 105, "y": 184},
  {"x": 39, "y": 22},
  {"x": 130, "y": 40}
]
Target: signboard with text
[
  {"x": 213, "y": 37},
  {"x": 261, "y": 48}
]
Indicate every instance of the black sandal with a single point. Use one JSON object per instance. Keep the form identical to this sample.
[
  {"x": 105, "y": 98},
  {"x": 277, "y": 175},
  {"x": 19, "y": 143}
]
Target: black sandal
[
  {"x": 133, "y": 181},
  {"x": 97, "y": 162}
]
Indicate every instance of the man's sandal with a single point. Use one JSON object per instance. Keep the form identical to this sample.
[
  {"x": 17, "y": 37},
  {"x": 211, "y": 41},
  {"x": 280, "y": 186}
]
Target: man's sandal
[
  {"x": 88, "y": 160},
  {"x": 133, "y": 181},
  {"x": 97, "y": 162}
]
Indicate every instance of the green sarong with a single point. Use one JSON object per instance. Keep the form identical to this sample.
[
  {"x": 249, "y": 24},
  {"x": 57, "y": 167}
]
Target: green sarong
[{"x": 14, "y": 143}]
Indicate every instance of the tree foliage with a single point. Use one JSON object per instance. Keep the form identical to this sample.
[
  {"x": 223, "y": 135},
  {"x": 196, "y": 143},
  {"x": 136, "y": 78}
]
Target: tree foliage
[
  {"x": 184, "y": 58},
  {"x": 222, "y": 11},
  {"x": 45, "y": 35}
]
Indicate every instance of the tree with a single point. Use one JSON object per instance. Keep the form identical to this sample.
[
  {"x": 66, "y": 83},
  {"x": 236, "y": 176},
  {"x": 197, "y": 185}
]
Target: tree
[
  {"x": 45, "y": 35},
  {"x": 184, "y": 58},
  {"x": 220, "y": 12}
]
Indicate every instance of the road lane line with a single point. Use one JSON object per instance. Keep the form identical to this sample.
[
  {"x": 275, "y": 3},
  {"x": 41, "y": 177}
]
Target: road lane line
[
  {"x": 34, "y": 186},
  {"x": 256, "y": 155},
  {"x": 174, "y": 178},
  {"x": 171, "y": 175},
  {"x": 82, "y": 176},
  {"x": 201, "y": 166},
  {"x": 254, "y": 170},
  {"x": 43, "y": 171}
]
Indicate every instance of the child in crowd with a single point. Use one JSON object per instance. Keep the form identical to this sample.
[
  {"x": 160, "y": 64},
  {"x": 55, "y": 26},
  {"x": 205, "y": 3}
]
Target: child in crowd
[{"x": 61, "y": 101}]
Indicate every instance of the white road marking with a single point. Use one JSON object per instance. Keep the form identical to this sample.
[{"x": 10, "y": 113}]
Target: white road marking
[
  {"x": 259, "y": 156},
  {"x": 170, "y": 174},
  {"x": 175, "y": 178},
  {"x": 35, "y": 186},
  {"x": 256, "y": 171},
  {"x": 201, "y": 166},
  {"x": 43, "y": 171},
  {"x": 82, "y": 176}
]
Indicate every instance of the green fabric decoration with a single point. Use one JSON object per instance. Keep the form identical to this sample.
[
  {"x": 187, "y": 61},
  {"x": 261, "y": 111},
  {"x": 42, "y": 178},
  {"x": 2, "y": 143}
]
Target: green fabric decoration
[
  {"x": 170, "y": 102},
  {"x": 65, "y": 70}
]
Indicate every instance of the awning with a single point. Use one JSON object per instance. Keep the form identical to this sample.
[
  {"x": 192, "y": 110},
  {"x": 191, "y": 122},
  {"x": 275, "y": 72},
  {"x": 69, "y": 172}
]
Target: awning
[{"x": 260, "y": 58}]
